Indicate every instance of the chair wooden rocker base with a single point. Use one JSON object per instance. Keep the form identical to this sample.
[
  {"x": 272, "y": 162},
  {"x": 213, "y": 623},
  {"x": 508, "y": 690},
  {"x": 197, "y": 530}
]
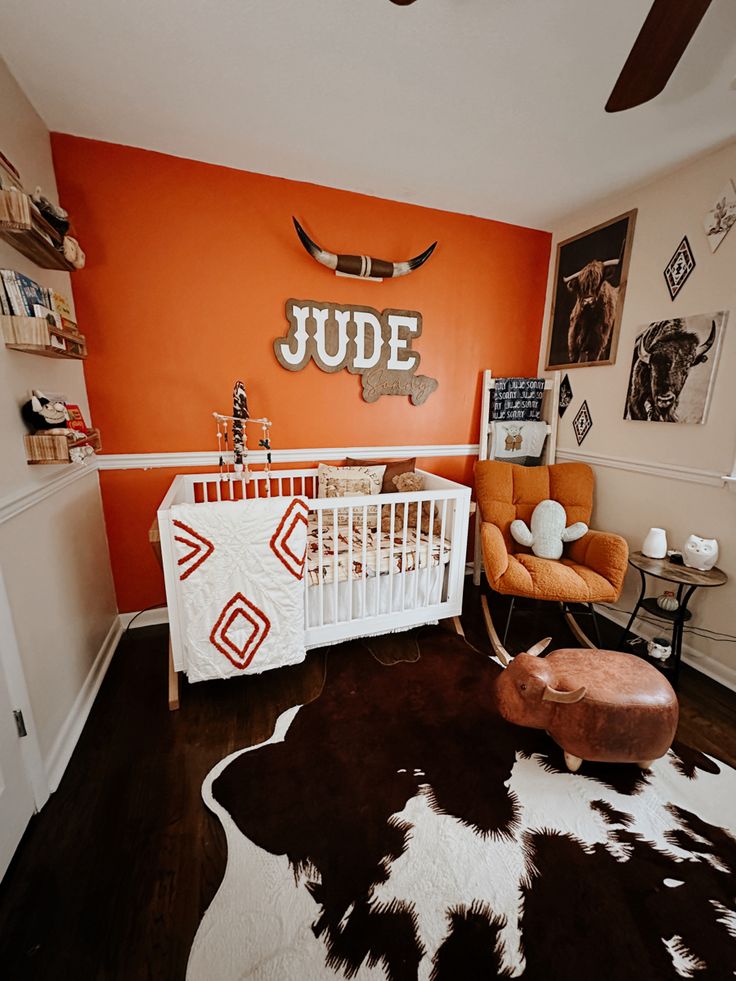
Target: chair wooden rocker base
[{"x": 499, "y": 645}]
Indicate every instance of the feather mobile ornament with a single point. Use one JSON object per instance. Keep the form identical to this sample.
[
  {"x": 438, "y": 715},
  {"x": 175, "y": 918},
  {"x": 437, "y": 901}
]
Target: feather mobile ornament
[{"x": 240, "y": 413}]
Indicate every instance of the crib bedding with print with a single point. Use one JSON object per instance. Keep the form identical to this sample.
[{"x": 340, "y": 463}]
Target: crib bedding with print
[{"x": 355, "y": 579}]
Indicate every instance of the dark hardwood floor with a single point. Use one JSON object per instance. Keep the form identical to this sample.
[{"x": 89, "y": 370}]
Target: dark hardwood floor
[{"x": 113, "y": 876}]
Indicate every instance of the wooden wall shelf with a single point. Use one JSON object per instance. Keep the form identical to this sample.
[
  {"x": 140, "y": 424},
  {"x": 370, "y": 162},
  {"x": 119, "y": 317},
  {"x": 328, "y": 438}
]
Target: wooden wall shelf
[
  {"x": 25, "y": 228},
  {"x": 47, "y": 449},
  {"x": 35, "y": 335}
]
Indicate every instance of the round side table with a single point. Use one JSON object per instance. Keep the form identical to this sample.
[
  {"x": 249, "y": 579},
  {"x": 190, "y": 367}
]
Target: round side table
[{"x": 687, "y": 581}]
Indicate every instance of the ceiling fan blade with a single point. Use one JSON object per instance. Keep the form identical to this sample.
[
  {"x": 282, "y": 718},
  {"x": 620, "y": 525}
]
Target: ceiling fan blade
[{"x": 667, "y": 31}]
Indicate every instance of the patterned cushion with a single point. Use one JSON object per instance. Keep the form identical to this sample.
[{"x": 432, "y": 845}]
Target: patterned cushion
[
  {"x": 393, "y": 469},
  {"x": 350, "y": 482}
]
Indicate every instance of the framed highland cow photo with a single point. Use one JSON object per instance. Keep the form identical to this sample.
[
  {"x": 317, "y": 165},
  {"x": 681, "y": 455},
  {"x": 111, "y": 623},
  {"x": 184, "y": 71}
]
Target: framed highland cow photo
[{"x": 591, "y": 271}]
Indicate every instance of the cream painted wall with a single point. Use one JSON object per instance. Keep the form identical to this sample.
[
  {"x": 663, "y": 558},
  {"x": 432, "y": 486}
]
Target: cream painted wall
[
  {"x": 54, "y": 555},
  {"x": 629, "y": 501}
]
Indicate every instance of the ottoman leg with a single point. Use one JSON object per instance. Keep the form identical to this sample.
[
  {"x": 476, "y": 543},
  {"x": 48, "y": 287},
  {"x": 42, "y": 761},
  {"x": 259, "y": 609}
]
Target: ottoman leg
[
  {"x": 573, "y": 763},
  {"x": 645, "y": 764}
]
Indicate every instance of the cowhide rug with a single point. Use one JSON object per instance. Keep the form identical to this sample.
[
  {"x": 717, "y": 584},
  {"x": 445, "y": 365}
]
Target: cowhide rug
[{"x": 397, "y": 828}]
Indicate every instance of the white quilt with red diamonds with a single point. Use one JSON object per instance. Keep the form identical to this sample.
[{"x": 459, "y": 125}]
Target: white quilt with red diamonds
[{"x": 240, "y": 582}]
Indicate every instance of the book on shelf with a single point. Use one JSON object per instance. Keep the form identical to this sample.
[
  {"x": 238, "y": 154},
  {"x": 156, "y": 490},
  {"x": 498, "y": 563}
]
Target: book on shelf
[
  {"x": 59, "y": 304},
  {"x": 9, "y": 176},
  {"x": 22, "y": 292}
]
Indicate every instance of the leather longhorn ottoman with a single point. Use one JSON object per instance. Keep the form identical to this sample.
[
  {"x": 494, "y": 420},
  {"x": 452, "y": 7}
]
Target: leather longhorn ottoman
[{"x": 597, "y": 705}]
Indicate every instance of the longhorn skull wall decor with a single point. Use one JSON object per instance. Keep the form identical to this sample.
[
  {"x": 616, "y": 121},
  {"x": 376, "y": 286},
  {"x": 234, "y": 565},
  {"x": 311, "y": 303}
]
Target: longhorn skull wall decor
[
  {"x": 377, "y": 346},
  {"x": 361, "y": 266}
]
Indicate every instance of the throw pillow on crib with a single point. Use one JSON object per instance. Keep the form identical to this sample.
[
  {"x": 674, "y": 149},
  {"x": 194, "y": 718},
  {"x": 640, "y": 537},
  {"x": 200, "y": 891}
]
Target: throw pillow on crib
[
  {"x": 350, "y": 482},
  {"x": 407, "y": 483},
  {"x": 393, "y": 469}
]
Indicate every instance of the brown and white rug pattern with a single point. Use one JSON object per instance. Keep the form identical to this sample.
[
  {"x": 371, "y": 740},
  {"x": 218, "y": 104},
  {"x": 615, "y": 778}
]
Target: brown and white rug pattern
[{"x": 397, "y": 828}]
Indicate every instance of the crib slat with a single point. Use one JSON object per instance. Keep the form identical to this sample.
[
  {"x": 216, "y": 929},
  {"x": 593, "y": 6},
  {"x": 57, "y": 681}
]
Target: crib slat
[
  {"x": 365, "y": 560},
  {"x": 417, "y": 554},
  {"x": 392, "y": 529},
  {"x": 335, "y": 546},
  {"x": 430, "y": 546},
  {"x": 443, "y": 528},
  {"x": 377, "y": 558},
  {"x": 320, "y": 568},
  {"x": 350, "y": 562},
  {"x": 404, "y": 546}
]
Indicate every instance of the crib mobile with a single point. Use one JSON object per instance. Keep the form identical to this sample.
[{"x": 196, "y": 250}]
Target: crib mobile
[{"x": 237, "y": 463}]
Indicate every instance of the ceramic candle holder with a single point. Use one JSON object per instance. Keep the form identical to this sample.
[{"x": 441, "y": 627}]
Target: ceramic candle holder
[{"x": 654, "y": 545}]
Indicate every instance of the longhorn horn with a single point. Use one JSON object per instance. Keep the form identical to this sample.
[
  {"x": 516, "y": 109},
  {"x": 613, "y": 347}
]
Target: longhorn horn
[
  {"x": 564, "y": 697},
  {"x": 641, "y": 349},
  {"x": 607, "y": 263},
  {"x": 539, "y": 647},
  {"x": 361, "y": 266},
  {"x": 708, "y": 343}
]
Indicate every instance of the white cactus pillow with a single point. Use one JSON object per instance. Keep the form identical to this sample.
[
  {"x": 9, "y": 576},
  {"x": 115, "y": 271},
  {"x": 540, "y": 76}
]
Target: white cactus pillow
[{"x": 548, "y": 532}]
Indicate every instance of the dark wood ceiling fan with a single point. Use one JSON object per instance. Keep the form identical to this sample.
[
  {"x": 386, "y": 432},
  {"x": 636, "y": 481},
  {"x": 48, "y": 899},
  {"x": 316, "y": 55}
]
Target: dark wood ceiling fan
[{"x": 662, "y": 41}]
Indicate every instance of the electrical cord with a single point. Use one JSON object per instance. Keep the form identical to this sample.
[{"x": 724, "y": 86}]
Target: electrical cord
[
  {"x": 158, "y": 606},
  {"x": 704, "y": 632}
]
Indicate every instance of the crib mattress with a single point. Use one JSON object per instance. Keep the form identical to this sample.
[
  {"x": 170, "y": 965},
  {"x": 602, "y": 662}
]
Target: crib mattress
[{"x": 381, "y": 554}]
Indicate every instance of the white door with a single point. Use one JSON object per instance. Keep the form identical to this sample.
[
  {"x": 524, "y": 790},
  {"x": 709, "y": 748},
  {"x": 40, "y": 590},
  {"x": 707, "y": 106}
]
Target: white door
[
  {"x": 23, "y": 783},
  {"x": 16, "y": 794}
]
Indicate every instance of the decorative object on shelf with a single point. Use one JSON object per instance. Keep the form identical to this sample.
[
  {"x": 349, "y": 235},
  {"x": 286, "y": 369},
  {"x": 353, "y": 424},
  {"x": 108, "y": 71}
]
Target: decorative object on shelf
[
  {"x": 659, "y": 648},
  {"x": 361, "y": 266},
  {"x": 517, "y": 399},
  {"x": 582, "y": 423},
  {"x": 318, "y": 331},
  {"x": 548, "y": 530},
  {"x": 54, "y": 214},
  {"x": 679, "y": 267},
  {"x": 654, "y": 545},
  {"x": 55, "y": 446},
  {"x": 15, "y": 211},
  {"x": 722, "y": 216},
  {"x": 700, "y": 553},
  {"x": 565, "y": 396},
  {"x": 590, "y": 284},
  {"x": 668, "y": 601},
  {"x": 73, "y": 252},
  {"x": 43, "y": 413},
  {"x": 80, "y": 454},
  {"x": 673, "y": 369}
]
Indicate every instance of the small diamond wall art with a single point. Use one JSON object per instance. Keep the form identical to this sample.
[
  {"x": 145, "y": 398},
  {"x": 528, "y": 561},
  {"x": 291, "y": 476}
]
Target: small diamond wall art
[
  {"x": 565, "y": 395},
  {"x": 582, "y": 423},
  {"x": 679, "y": 268}
]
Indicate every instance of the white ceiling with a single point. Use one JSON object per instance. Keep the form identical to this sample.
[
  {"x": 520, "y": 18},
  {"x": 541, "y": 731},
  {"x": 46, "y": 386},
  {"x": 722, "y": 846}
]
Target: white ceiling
[{"x": 488, "y": 107}]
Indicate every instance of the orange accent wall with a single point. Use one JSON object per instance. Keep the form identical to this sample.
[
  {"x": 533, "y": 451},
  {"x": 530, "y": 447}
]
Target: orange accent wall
[{"x": 189, "y": 266}]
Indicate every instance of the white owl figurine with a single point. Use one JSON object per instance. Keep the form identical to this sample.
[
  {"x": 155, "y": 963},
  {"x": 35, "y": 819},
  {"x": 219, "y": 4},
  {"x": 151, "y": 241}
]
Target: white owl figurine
[{"x": 700, "y": 553}]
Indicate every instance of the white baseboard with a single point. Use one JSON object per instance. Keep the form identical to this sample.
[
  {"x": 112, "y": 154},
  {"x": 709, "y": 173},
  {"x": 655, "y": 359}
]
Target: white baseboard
[
  {"x": 719, "y": 672},
  {"x": 144, "y": 618},
  {"x": 61, "y": 752}
]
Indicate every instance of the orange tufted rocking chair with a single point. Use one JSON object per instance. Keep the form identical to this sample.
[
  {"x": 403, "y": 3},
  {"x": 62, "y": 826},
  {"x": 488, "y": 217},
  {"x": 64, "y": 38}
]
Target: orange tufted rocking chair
[{"x": 591, "y": 569}]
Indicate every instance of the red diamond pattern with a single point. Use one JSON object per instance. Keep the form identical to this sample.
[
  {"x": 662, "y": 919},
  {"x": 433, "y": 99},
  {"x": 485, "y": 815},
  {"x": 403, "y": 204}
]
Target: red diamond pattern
[
  {"x": 237, "y": 613},
  {"x": 295, "y": 514},
  {"x": 200, "y": 549}
]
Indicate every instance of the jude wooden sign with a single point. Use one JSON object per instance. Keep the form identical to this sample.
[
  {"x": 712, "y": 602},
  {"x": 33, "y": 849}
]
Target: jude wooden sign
[{"x": 375, "y": 345}]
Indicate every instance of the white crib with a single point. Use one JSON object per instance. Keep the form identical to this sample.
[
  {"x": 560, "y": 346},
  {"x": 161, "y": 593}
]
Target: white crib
[{"x": 340, "y": 602}]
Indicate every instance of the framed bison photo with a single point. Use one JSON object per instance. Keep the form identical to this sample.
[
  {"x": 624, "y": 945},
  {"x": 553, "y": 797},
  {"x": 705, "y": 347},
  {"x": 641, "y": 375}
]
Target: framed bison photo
[
  {"x": 673, "y": 369},
  {"x": 589, "y": 287}
]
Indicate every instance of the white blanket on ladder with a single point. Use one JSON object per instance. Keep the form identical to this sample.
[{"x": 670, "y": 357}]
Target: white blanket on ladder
[{"x": 240, "y": 581}]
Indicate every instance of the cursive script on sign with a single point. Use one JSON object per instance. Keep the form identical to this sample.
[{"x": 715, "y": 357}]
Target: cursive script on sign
[{"x": 377, "y": 345}]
